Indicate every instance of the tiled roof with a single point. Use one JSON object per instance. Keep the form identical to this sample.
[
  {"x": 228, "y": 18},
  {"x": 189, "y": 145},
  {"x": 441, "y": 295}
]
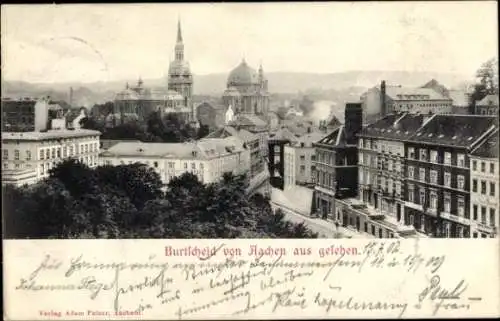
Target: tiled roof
[
  {"x": 311, "y": 138},
  {"x": 394, "y": 126},
  {"x": 489, "y": 148},
  {"x": 490, "y": 100},
  {"x": 228, "y": 131},
  {"x": 454, "y": 130},
  {"x": 407, "y": 93},
  {"x": 51, "y": 134},
  {"x": 252, "y": 120},
  {"x": 283, "y": 134}
]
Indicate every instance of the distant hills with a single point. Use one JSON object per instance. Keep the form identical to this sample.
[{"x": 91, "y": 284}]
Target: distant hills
[{"x": 321, "y": 85}]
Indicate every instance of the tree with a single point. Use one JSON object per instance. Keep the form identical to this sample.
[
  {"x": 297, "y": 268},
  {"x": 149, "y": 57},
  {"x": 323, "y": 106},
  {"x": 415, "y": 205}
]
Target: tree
[
  {"x": 203, "y": 131},
  {"x": 487, "y": 81},
  {"x": 77, "y": 177}
]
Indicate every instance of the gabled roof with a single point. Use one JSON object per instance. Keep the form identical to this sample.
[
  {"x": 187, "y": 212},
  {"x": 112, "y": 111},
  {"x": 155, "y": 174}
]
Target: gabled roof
[
  {"x": 454, "y": 130},
  {"x": 490, "y": 100},
  {"x": 335, "y": 139},
  {"x": 394, "y": 126},
  {"x": 228, "y": 131},
  {"x": 311, "y": 138},
  {"x": 489, "y": 148}
]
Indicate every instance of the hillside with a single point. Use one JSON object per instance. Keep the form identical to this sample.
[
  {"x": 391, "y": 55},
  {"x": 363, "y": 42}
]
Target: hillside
[{"x": 322, "y": 85}]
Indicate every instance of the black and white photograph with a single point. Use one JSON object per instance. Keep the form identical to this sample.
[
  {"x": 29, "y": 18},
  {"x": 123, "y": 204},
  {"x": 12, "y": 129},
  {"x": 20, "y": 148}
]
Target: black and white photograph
[{"x": 371, "y": 120}]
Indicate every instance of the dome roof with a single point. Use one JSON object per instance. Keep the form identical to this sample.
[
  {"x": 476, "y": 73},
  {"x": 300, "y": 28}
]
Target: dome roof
[
  {"x": 179, "y": 68},
  {"x": 242, "y": 75}
]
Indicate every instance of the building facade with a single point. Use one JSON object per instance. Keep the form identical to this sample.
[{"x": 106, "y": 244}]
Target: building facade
[
  {"x": 336, "y": 163},
  {"x": 438, "y": 188},
  {"x": 484, "y": 182},
  {"x": 305, "y": 156},
  {"x": 487, "y": 106},
  {"x": 39, "y": 152},
  {"x": 388, "y": 99},
  {"x": 208, "y": 159}
]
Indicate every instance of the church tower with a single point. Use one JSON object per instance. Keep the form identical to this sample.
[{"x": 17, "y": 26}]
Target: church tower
[{"x": 180, "y": 78}]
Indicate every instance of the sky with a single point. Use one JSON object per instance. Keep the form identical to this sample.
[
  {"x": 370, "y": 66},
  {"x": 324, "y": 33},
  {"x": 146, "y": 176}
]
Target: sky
[{"x": 111, "y": 42}]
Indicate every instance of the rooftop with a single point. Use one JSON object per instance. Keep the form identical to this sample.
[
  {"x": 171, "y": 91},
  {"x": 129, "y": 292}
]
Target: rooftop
[
  {"x": 394, "y": 126},
  {"x": 51, "y": 134},
  {"x": 489, "y": 148},
  {"x": 228, "y": 131},
  {"x": 283, "y": 134},
  {"x": 408, "y": 93},
  {"x": 454, "y": 130},
  {"x": 336, "y": 138},
  {"x": 203, "y": 149},
  {"x": 490, "y": 100},
  {"x": 311, "y": 138}
]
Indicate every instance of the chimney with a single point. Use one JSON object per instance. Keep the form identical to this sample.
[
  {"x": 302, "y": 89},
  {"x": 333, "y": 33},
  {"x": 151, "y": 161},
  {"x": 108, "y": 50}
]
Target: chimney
[
  {"x": 71, "y": 96},
  {"x": 383, "y": 107},
  {"x": 353, "y": 122}
]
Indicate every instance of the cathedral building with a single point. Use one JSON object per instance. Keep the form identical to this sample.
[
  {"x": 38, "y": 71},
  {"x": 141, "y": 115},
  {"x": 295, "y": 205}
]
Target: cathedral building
[
  {"x": 136, "y": 103},
  {"x": 247, "y": 91}
]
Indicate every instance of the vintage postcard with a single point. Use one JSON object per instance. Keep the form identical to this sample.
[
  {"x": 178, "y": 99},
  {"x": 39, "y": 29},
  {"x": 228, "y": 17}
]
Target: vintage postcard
[{"x": 204, "y": 161}]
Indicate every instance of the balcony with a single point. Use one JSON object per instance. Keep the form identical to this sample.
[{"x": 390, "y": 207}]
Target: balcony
[
  {"x": 455, "y": 218},
  {"x": 483, "y": 227}
]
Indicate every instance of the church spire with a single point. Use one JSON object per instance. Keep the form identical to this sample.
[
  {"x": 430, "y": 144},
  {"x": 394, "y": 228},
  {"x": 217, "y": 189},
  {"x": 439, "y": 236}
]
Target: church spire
[{"x": 179, "y": 31}]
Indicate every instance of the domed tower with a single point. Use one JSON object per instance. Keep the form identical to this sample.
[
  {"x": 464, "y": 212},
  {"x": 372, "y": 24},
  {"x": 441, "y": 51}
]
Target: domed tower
[
  {"x": 245, "y": 88},
  {"x": 180, "y": 78}
]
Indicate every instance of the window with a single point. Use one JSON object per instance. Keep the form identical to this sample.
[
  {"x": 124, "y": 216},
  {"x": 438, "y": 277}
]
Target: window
[
  {"x": 483, "y": 214},
  {"x": 483, "y": 167},
  {"x": 156, "y": 164},
  {"x": 460, "y": 206},
  {"x": 460, "y": 182},
  {"x": 492, "y": 217},
  {"x": 460, "y": 160},
  {"x": 422, "y": 196},
  {"x": 5, "y": 154},
  {"x": 423, "y": 154},
  {"x": 59, "y": 152},
  {"x": 410, "y": 193},
  {"x": 16, "y": 154},
  {"x": 474, "y": 185},
  {"x": 422, "y": 174},
  {"x": 193, "y": 165},
  {"x": 411, "y": 153},
  {"x": 492, "y": 168},
  {"x": 302, "y": 168},
  {"x": 201, "y": 166},
  {"x": 411, "y": 172},
  {"x": 47, "y": 154},
  {"x": 474, "y": 165},
  {"x": 28, "y": 155},
  {"x": 313, "y": 157},
  {"x": 492, "y": 189},
  {"x": 390, "y": 165},
  {"x": 434, "y": 176},
  {"x": 447, "y": 158},
  {"x": 483, "y": 187},
  {"x": 447, "y": 202},
  {"x": 434, "y": 156},
  {"x": 53, "y": 152},
  {"x": 302, "y": 158},
  {"x": 433, "y": 200},
  {"x": 185, "y": 165},
  {"x": 474, "y": 212},
  {"x": 42, "y": 154}
]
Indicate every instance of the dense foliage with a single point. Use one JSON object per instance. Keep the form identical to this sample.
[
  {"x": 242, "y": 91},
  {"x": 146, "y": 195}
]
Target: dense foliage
[
  {"x": 169, "y": 129},
  {"x": 487, "y": 80},
  {"x": 128, "y": 201}
]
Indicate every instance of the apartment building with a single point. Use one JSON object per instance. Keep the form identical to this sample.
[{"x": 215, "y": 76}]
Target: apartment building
[
  {"x": 381, "y": 175},
  {"x": 484, "y": 182},
  {"x": 27, "y": 157},
  {"x": 438, "y": 191},
  {"x": 336, "y": 164}
]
